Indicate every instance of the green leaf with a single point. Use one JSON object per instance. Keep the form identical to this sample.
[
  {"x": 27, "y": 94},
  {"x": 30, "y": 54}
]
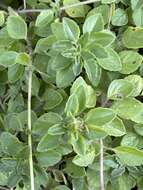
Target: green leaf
[
  {"x": 136, "y": 4},
  {"x": 133, "y": 38},
  {"x": 133, "y": 140},
  {"x": 130, "y": 60},
  {"x": 71, "y": 29},
  {"x": 104, "y": 38},
  {"x": 46, "y": 121},
  {"x": 64, "y": 77},
  {"x": 79, "y": 144},
  {"x": 93, "y": 71},
  {"x": 10, "y": 144},
  {"x": 93, "y": 23},
  {"x": 44, "y": 18},
  {"x": 129, "y": 156},
  {"x": 74, "y": 170},
  {"x": 99, "y": 116},
  {"x": 137, "y": 17},
  {"x": 44, "y": 44},
  {"x": 8, "y": 58},
  {"x": 137, "y": 82},
  {"x": 58, "y": 31},
  {"x": 2, "y": 18},
  {"x": 48, "y": 142},
  {"x": 112, "y": 62},
  {"x": 61, "y": 187},
  {"x": 129, "y": 108},
  {"x": 119, "y": 88},
  {"x": 16, "y": 27},
  {"x": 139, "y": 129},
  {"x": 108, "y": 1},
  {"x": 23, "y": 59},
  {"x": 72, "y": 105},
  {"x": 15, "y": 73},
  {"x": 103, "y": 10},
  {"x": 120, "y": 17},
  {"x": 74, "y": 12},
  {"x": 84, "y": 160},
  {"x": 57, "y": 129},
  {"x": 48, "y": 158},
  {"x": 115, "y": 128},
  {"x": 52, "y": 98}
]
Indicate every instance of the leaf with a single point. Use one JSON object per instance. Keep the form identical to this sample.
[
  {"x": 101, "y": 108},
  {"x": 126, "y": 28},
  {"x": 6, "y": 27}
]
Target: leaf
[
  {"x": 139, "y": 129},
  {"x": 119, "y": 88},
  {"x": 133, "y": 38},
  {"x": 128, "y": 108},
  {"x": 15, "y": 73},
  {"x": 58, "y": 30},
  {"x": 74, "y": 170},
  {"x": 52, "y": 98},
  {"x": 120, "y": 17},
  {"x": 137, "y": 17},
  {"x": 48, "y": 158},
  {"x": 84, "y": 160},
  {"x": 57, "y": 129},
  {"x": 74, "y": 12},
  {"x": 71, "y": 29},
  {"x": 72, "y": 105},
  {"x": 8, "y": 58},
  {"x": 137, "y": 82},
  {"x": 93, "y": 23},
  {"x": 130, "y": 61},
  {"x": 129, "y": 156},
  {"x": 45, "y": 121},
  {"x": 44, "y": 18},
  {"x": 16, "y": 27},
  {"x": 115, "y": 128},
  {"x": 136, "y": 4},
  {"x": 61, "y": 187},
  {"x": 23, "y": 59},
  {"x": 10, "y": 144},
  {"x": 108, "y": 1},
  {"x": 104, "y": 38},
  {"x": 48, "y": 142},
  {"x": 80, "y": 145},
  {"x": 103, "y": 10},
  {"x": 112, "y": 62},
  {"x": 133, "y": 140},
  {"x": 99, "y": 116},
  {"x": 65, "y": 77},
  {"x": 93, "y": 71},
  {"x": 2, "y": 18}
]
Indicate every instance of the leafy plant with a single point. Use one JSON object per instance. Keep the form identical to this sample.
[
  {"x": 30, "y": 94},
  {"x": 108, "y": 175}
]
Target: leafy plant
[{"x": 71, "y": 87}]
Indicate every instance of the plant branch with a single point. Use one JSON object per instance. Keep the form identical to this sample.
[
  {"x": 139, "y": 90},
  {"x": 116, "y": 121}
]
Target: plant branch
[
  {"x": 101, "y": 165},
  {"x": 24, "y": 4},
  {"x": 29, "y": 118},
  {"x": 61, "y": 8}
]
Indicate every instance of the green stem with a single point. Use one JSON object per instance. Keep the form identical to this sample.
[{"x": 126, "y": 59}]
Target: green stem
[
  {"x": 101, "y": 165},
  {"x": 61, "y": 8},
  {"x": 29, "y": 119}
]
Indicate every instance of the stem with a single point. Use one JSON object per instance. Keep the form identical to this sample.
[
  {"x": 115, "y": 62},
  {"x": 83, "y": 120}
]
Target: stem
[
  {"x": 62, "y": 8},
  {"x": 101, "y": 166},
  {"x": 24, "y": 4},
  {"x": 29, "y": 118},
  {"x": 112, "y": 6}
]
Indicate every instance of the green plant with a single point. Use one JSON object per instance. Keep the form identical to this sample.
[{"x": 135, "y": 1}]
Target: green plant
[{"x": 71, "y": 87}]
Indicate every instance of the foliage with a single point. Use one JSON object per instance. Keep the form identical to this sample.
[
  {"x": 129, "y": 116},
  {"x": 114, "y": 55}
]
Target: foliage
[{"x": 87, "y": 86}]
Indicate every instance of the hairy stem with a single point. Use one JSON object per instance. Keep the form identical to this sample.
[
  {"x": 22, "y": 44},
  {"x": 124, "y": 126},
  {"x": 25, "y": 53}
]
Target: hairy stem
[
  {"x": 101, "y": 166},
  {"x": 62, "y": 8}
]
